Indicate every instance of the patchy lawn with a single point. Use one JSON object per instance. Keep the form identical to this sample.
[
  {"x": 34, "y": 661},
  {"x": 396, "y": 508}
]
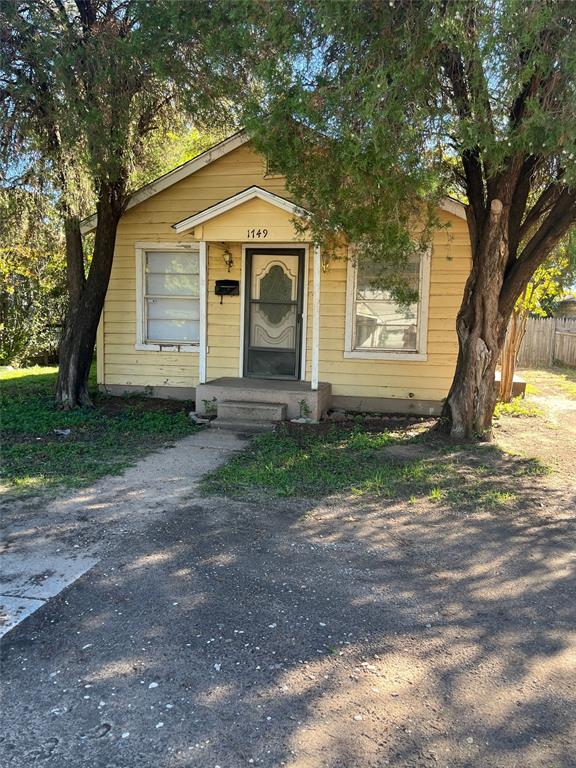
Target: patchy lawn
[
  {"x": 411, "y": 463},
  {"x": 101, "y": 440},
  {"x": 550, "y": 432},
  {"x": 406, "y": 460},
  {"x": 551, "y": 382}
]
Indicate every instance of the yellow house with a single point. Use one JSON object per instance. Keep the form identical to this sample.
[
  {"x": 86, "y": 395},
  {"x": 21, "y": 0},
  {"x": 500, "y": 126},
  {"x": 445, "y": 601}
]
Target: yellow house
[{"x": 215, "y": 297}]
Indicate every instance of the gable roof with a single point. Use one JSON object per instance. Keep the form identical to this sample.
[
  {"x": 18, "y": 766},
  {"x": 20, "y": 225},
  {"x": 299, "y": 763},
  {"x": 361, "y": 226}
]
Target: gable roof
[
  {"x": 175, "y": 175},
  {"x": 250, "y": 193},
  {"x": 448, "y": 204}
]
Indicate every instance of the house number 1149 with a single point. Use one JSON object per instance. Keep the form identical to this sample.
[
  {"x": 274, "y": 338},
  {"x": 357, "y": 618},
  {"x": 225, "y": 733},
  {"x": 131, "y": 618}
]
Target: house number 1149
[{"x": 257, "y": 233}]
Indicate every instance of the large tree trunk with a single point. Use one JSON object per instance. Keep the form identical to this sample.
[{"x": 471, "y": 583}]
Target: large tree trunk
[
  {"x": 481, "y": 330},
  {"x": 86, "y": 303}
]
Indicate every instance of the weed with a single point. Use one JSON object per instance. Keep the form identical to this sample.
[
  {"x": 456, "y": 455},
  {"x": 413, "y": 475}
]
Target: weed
[
  {"x": 533, "y": 468},
  {"x": 210, "y": 407},
  {"x": 518, "y": 406},
  {"x": 304, "y": 409},
  {"x": 314, "y": 463},
  {"x": 495, "y": 498}
]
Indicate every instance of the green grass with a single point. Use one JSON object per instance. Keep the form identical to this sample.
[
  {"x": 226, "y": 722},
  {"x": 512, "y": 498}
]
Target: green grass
[
  {"x": 309, "y": 463},
  {"x": 315, "y": 463},
  {"x": 566, "y": 379},
  {"x": 436, "y": 494},
  {"x": 518, "y": 406},
  {"x": 559, "y": 380},
  {"x": 104, "y": 439}
]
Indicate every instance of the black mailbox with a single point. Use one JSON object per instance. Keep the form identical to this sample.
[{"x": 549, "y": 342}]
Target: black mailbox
[{"x": 227, "y": 288}]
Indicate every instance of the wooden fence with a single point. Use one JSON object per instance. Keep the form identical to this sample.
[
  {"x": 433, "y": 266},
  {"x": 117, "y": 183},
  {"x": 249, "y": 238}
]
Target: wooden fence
[{"x": 548, "y": 340}]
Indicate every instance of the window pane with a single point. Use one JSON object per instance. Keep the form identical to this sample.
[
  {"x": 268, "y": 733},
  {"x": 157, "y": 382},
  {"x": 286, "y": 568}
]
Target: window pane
[
  {"x": 159, "y": 262},
  {"x": 173, "y": 309},
  {"x": 380, "y": 323},
  {"x": 172, "y": 285},
  {"x": 375, "y": 331},
  {"x": 367, "y": 274},
  {"x": 175, "y": 276},
  {"x": 173, "y": 330}
]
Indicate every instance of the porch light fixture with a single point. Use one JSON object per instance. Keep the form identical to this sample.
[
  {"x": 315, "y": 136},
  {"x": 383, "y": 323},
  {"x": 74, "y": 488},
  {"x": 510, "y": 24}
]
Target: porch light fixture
[{"x": 228, "y": 259}]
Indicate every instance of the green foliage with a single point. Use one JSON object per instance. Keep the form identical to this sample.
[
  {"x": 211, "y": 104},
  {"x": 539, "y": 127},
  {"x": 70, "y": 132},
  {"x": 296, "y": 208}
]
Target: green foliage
[
  {"x": 313, "y": 464},
  {"x": 170, "y": 147},
  {"x": 550, "y": 281},
  {"x": 375, "y": 110},
  {"x": 98, "y": 88},
  {"x": 103, "y": 440},
  {"x": 32, "y": 278},
  {"x": 518, "y": 406}
]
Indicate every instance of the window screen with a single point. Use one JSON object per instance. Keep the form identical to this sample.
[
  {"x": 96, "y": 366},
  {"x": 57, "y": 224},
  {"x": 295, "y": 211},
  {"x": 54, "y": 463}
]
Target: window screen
[{"x": 379, "y": 322}]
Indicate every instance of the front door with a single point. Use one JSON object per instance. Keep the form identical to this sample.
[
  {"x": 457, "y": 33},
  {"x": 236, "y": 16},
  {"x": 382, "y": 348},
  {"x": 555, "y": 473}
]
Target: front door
[{"x": 273, "y": 322}]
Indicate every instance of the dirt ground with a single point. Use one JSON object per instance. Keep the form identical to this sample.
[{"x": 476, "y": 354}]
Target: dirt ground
[
  {"x": 345, "y": 633},
  {"x": 550, "y": 436}
]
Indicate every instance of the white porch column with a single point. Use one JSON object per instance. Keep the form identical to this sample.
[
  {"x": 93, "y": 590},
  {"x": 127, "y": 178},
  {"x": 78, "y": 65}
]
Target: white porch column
[
  {"x": 315, "y": 317},
  {"x": 203, "y": 300}
]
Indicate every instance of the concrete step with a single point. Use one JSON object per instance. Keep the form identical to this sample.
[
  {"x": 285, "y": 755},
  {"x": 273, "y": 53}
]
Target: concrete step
[
  {"x": 266, "y": 391},
  {"x": 248, "y": 427},
  {"x": 246, "y": 412}
]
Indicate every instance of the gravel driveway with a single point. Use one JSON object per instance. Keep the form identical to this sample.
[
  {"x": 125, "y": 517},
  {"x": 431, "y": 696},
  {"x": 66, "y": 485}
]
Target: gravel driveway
[{"x": 346, "y": 633}]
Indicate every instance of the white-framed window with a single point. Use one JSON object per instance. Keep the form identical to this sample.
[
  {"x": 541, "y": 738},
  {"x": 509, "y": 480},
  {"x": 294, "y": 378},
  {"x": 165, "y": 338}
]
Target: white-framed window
[
  {"x": 170, "y": 296},
  {"x": 377, "y": 328}
]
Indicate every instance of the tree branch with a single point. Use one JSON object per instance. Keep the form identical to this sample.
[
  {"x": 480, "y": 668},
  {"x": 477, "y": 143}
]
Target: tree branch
[
  {"x": 87, "y": 11},
  {"x": 544, "y": 203},
  {"x": 471, "y": 163},
  {"x": 558, "y": 222},
  {"x": 518, "y": 206}
]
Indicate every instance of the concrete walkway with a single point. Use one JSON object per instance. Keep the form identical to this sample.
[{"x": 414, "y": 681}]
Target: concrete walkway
[{"x": 44, "y": 549}]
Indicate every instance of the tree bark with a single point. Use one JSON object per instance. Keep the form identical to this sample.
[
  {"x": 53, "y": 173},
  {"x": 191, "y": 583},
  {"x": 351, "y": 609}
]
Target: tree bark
[
  {"x": 75, "y": 276},
  {"x": 507, "y": 362},
  {"x": 514, "y": 337},
  {"x": 85, "y": 309},
  {"x": 481, "y": 331}
]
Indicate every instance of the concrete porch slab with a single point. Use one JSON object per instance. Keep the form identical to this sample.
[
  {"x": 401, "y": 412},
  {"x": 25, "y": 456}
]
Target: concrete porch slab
[
  {"x": 290, "y": 393},
  {"x": 518, "y": 384}
]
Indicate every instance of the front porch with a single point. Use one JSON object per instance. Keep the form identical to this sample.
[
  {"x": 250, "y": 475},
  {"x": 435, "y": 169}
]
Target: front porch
[{"x": 251, "y": 398}]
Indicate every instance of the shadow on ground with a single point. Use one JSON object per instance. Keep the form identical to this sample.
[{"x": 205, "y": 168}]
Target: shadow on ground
[{"x": 340, "y": 633}]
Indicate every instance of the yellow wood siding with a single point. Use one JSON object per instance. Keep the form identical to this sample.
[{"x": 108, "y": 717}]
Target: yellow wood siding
[
  {"x": 223, "y": 318},
  {"x": 425, "y": 380},
  {"x": 120, "y": 364},
  {"x": 242, "y": 223},
  {"x": 151, "y": 221}
]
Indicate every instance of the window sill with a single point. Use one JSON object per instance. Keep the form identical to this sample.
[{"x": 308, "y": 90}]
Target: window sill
[
  {"x": 167, "y": 348},
  {"x": 416, "y": 357}
]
